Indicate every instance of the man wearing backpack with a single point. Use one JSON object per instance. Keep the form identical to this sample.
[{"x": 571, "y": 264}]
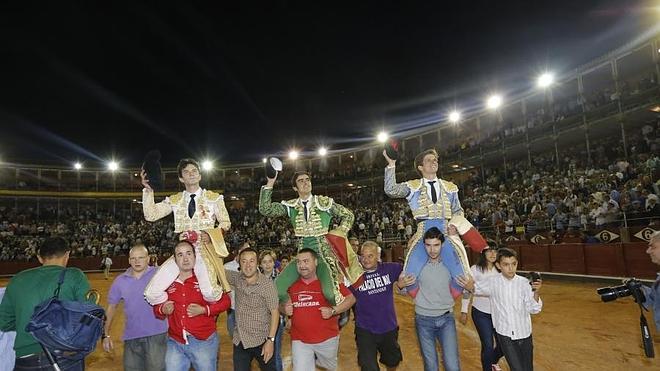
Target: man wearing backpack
[{"x": 31, "y": 287}]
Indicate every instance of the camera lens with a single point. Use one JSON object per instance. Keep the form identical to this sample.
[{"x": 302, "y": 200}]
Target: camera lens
[{"x": 612, "y": 293}]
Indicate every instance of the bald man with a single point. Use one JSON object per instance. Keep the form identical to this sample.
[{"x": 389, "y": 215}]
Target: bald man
[{"x": 145, "y": 336}]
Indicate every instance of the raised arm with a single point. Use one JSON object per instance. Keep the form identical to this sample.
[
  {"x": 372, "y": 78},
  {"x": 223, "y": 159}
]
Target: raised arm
[
  {"x": 267, "y": 207},
  {"x": 154, "y": 211},
  {"x": 392, "y": 188}
]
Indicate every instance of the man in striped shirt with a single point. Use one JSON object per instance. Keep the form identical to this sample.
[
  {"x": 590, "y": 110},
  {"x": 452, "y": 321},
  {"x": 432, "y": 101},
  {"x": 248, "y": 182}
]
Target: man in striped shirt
[{"x": 513, "y": 299}]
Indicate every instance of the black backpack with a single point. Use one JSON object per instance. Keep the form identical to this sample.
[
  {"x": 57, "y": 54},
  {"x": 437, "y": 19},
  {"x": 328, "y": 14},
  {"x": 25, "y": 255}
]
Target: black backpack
[{"x": 66, "y": 329}]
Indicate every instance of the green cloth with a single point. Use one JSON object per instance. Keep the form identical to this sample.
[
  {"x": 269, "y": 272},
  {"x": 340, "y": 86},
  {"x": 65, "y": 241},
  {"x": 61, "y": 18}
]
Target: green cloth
[{"x": 30, "y": 288}]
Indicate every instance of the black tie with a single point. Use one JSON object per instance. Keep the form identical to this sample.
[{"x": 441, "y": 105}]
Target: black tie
[
  {"x": 191, "y": 206},
  {"x": 305, "y": 206},
  {"x": 434, "y": 196}
]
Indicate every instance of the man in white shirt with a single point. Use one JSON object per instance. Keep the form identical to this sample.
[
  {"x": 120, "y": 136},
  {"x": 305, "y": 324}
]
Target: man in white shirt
[
  {"x": 106, "y": 263},
  {"x": 513, "y": 299}
]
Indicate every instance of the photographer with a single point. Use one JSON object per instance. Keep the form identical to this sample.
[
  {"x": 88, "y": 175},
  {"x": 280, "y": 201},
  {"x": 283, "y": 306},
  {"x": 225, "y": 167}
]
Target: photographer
[{"x": 653, "y": 293}]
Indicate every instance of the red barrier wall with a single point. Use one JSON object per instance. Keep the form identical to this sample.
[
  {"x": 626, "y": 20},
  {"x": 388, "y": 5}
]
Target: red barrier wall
[
  {"x": 567, "y": 258},
  {"x": 604, "y": 259},
  {"x": 534, "y": 258}
]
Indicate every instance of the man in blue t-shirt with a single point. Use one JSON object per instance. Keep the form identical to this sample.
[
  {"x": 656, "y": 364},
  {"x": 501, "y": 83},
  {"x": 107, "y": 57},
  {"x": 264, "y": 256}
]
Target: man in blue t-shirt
[{"x": 376, "y": 328}]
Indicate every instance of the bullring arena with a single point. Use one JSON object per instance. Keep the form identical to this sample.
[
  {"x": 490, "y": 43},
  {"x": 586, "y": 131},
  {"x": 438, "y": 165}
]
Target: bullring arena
[{"x": 565, "y": 173}]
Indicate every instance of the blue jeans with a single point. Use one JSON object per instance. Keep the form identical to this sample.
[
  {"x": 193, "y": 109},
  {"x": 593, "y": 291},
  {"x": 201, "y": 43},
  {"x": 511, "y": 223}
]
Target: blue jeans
[
  {"x": 277, "y": 352},
  {"x": 231, "y": 322},
  {"x": 145, "y": 353},
  {"x": 490, "y": 353},
  {"x": 202, "y": 354},
  {"x": 443, "y": 330}
]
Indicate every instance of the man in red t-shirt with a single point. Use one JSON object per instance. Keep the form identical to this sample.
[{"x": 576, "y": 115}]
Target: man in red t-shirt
[
  {"x": 192, "y": 331},
  {"x": 314, "y": 325}
]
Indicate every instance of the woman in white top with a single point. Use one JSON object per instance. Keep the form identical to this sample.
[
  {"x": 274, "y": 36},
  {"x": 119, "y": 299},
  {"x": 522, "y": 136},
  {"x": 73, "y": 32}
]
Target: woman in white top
[{"x": 484, "y": 269}]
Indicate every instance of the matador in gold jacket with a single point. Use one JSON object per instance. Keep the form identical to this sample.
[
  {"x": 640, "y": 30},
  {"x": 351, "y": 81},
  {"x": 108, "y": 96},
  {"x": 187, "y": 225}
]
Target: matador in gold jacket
[{"x": 200, "y": 216}]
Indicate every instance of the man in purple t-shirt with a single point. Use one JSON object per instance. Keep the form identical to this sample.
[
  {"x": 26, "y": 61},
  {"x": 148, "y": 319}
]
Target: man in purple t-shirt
[
  {"x": 145, "y": 336},
  {"x": 376, "y": 328}
]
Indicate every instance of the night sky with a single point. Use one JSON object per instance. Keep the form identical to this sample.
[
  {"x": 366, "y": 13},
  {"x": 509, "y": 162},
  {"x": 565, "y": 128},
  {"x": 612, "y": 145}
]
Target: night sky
[{"x": 90, "y": 81}]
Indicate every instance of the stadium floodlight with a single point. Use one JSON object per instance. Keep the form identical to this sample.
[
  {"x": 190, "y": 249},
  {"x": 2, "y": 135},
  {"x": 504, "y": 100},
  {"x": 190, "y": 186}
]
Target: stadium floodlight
[
  {"x": 323, "y": 151},
  {"x": 77, "y": 166},
  {"x": 207, "y": 165},
  {"x": 454, "y": 116},
  {"x": 382, "y": 137},
  {"x": 264, "y": 160},
  {"x": 113, "y": 166},
  {"x": 545, "y": 80},
  {"x": 494, "y": 101},
  {"x": 293, "y": 154}
]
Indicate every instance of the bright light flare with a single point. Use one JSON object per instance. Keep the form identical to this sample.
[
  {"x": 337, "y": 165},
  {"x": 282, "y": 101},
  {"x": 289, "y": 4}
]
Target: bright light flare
[
  {"x": 454, "y": 116},
  {"x": 494, "y": 102},
  {"x": 207, "y": 165},
  {"x": 264, "y": 160},
  {"x": 77, "y": 166},
  {"x": 113, "y": 166},
  {"x": 545, "y": 80},
  {"x": 323, "y": 151},
  {"x": 293, "y": 155},
  {"x": 382, "y": 137}
]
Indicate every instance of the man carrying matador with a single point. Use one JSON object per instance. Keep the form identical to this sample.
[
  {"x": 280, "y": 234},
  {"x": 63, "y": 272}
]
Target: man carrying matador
[
  {"x": 311, "y": 217},
  {"x": 200, "y": 216},
  {"x": 434, "y": 203}
]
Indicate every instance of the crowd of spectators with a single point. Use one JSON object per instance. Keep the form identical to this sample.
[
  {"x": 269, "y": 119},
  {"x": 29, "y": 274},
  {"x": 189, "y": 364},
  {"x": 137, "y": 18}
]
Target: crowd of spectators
[{"x": 575, "y": 195}]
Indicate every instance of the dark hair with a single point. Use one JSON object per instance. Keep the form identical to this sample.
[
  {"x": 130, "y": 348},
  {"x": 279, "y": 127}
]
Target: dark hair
[
  {"x": 505, "y": 252},
  {"x": 482, "y": 263},
  {"x": 419, "y": 159},
  {"x": 248, "y": 249},
  {"x": 54, "y": 247},
  {"x": 185, "y": 162},
  {"x": 433, "y": 232},
  {"x": 311, "y": 251},
  {"x": 297, "y": 175},
  {"x": 184, "y": 242}
]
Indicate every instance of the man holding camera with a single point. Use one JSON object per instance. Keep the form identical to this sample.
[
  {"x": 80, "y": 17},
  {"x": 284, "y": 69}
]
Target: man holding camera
[{"x": 653, "y": 293}]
